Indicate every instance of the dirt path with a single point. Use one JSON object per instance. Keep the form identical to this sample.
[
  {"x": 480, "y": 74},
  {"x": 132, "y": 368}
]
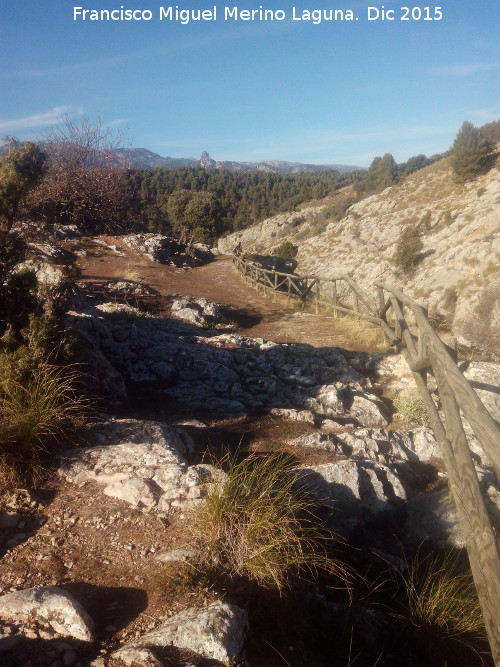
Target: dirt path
[{"x": 257, "y": 316}]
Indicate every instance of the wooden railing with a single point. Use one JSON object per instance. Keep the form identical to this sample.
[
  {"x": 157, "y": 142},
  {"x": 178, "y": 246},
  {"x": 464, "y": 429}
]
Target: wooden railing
[
  {"x": 406, "y": 326},
  {"x": 339, "y": 293}
]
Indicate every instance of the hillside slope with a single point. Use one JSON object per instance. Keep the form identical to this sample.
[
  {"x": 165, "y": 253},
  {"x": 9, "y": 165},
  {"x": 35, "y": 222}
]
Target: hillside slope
[{"x": 458, "y": 272}]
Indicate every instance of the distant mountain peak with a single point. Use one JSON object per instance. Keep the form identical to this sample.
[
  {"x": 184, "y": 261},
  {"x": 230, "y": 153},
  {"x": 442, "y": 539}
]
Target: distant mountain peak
[{"x": 206, "y": 161}]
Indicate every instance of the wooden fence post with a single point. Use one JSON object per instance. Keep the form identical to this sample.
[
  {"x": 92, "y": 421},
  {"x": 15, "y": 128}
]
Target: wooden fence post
[
  {"x": 479, "y": 536},
  {"x": 355, "y": 302}
]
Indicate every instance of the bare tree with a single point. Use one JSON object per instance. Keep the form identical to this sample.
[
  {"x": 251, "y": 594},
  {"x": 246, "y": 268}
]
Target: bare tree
[
  {"x": 10, "y": 141},
  {"x": 84, "y": 183}
]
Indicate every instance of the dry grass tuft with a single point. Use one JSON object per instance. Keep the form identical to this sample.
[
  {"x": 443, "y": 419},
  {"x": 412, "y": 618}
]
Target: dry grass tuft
[
  {"x": 257, "y": 524},
  {"x": 364, "y": 335},
  {"x": 441, "y": 608},
  {"x": 410, "y": 407},
  {"x": 36, "y": 413}
]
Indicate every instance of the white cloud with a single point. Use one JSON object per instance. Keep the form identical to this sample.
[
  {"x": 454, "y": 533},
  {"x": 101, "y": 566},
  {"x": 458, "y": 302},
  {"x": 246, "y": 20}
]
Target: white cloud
[
  {"x": 118, "y": 122},
  {"x": 51, "y": 117}
]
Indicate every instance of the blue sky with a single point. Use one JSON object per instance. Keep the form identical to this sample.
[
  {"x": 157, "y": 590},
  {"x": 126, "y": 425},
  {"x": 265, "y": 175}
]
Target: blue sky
[{"x": 255, "y": 90}]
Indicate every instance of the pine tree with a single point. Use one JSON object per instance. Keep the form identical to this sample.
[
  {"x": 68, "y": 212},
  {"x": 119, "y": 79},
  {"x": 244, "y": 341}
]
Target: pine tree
[
  {"x": 383, "y": 172},
  {"x": 469, "y": 151}
]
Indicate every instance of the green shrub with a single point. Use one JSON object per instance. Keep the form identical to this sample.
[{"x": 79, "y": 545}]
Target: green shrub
[
  {"x": 340, "y": 207},
  {"x": 287, "y": 250},
  {"x": 295, "y": 222},
  {"x": 256, "y": 524},
  {"x": 425, "y": 221},
  {"x": 408, "y": 250},
  {"x": 447, "y": 218},
  {"x": 469, "y": 153}
]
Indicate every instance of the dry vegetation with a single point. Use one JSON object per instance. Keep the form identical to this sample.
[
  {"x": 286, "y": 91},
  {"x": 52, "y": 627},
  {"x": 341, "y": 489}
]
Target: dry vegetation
[{"x": 257, "y": 523}]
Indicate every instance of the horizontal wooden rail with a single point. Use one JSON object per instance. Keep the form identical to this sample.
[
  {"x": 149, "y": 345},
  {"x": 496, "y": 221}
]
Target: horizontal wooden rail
[{"x": 322, "y": 292}]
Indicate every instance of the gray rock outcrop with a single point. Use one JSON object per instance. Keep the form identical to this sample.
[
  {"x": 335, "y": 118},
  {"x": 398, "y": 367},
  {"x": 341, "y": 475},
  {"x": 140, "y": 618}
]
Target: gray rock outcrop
[
  {"x": 198, "y": 310},
  {"x": 44, "y": 613},
  {"x": 233, "y": 375},
  {"x": 166, "y": 250},
  {"x": 215, "y": 632},
  {"x": 139, "y": 462}
]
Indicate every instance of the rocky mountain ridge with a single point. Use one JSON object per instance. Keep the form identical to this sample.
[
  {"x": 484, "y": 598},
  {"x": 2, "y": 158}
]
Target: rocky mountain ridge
[
  {"x": 458, "y": 268},
  {"x": 145, "y": 159}
]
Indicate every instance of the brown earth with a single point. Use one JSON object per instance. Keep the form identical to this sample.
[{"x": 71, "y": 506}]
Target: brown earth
[{"x": 254, "y": 314}]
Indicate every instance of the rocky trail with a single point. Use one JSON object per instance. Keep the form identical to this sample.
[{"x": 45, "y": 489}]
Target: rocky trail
[
  {"x": 255, "y": 315},
  {"x": 99, "y": 564}
]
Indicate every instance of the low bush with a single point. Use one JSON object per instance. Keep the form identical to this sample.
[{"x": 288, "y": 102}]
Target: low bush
[
  {"x": 410, "y": 407},
  {"x": 425, "y": 221},
  {"x": 286, "y": 250},
  {"x": 339, "y": 208},
  {"x": 35, "y": 415},
  {"x": 408, "y": 250},
  {"x": 40, "y": 399},
  {"x": 257, "y": 524}
]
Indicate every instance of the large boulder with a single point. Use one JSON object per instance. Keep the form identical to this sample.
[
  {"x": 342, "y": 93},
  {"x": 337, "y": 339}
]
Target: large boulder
[
  {"x": 44, "y": 613},
  {"x": 216, "y": 632},
  {"x": 198, "y": 310}
]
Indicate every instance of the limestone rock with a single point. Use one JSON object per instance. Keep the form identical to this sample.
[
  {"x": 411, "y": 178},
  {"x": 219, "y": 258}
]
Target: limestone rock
[
  {"x": 379, "y": 444},
  {"x": 433, "y": 516},
  {"x": 66, "y": 232},
  {"x": 48, "y": 611},
  {"x": 140, "y": 463},
  {"x": 129, "y": 288},
  {"x": 166, "y": 250},
  {"x": 197, "y": 310},
  {"x": 215, "y": 632},
  {"x": 355, "y": 492}
]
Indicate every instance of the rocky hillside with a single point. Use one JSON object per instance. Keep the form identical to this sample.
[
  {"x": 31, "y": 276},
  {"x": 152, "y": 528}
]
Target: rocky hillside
[{"x": 458, "y": 269}]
